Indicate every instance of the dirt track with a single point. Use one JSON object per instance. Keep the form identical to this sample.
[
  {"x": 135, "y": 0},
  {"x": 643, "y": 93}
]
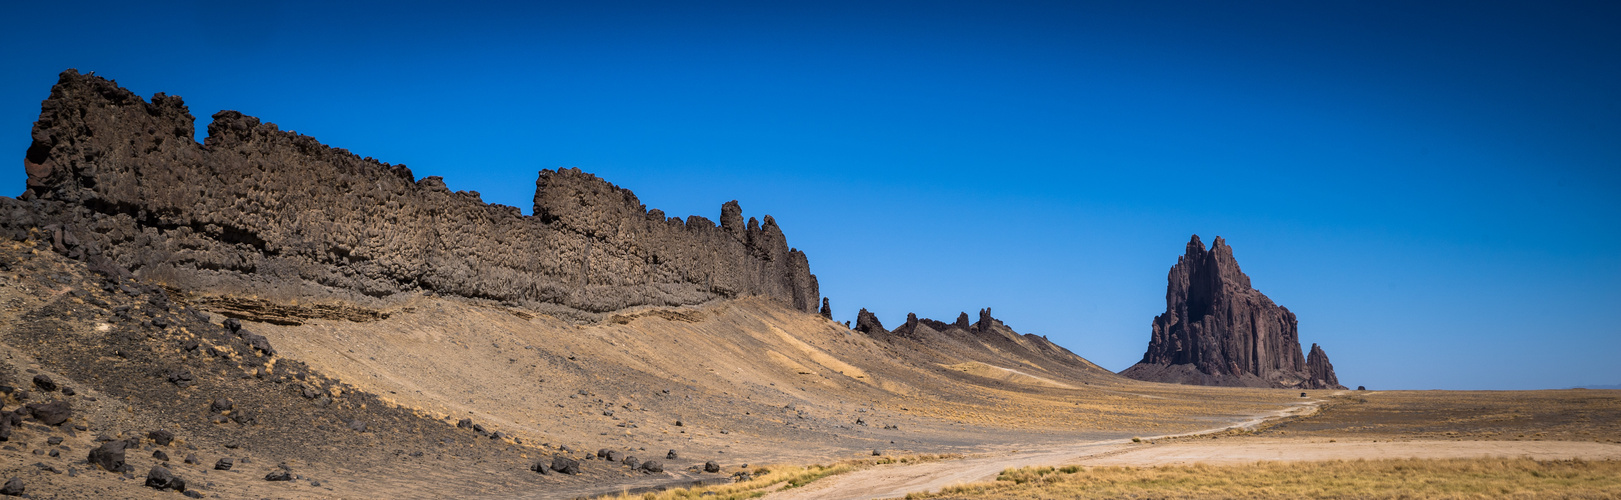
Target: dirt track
[{"x": 897, "y": 481}]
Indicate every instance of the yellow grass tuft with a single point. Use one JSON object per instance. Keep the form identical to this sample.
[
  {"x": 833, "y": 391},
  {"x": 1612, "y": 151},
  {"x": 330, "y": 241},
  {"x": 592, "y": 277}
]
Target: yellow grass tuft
[{"x": 1405, "y": 478}]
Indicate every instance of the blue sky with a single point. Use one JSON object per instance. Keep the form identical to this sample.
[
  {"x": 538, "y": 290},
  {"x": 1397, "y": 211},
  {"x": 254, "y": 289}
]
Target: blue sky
[{"x": 1432, "y": 187}]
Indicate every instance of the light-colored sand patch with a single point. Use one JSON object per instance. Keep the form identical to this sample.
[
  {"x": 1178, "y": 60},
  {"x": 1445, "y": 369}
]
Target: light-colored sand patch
[
  {"x": 1006, "y": 375},
  {"x": 1240, "y": 451}
]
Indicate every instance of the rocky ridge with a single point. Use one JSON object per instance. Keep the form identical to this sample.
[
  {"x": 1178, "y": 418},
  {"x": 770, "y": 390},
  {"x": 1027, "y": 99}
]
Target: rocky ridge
[
  {"x": 119, "y": 182},
  {"x": 1219, "y": 330}
]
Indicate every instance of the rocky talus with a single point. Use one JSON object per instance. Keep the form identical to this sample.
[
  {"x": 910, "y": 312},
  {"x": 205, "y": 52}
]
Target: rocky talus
[
  {"x": 1218, "y": 330},
  {"x": 255, "y": 210}
]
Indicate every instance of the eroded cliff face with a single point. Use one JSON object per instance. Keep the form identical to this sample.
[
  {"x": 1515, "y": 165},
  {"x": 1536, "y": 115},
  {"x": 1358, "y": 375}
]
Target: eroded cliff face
[
  {"x": 119, "y": 181},
  {"x": 1218, "y": 330}
]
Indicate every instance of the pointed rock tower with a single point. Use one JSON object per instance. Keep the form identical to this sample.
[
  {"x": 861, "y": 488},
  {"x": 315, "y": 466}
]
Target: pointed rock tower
[{"x": 1218, "y": 330}]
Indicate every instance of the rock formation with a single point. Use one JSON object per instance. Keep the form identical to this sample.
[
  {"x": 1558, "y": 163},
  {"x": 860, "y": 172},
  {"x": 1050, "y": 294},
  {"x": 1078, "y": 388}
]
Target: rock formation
[
  {"x": 867, "y": 323},
  {"x": 119, "y": 181},
  {"x": 1320, "y": 371},
  {"x": 1218, "y": 330}
]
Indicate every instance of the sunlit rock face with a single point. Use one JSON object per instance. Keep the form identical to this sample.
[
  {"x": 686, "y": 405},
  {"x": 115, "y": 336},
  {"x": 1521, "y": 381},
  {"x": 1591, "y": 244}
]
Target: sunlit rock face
[
  {"x": 1218, "y": 330},
  {"x": 255, "y": 209}
]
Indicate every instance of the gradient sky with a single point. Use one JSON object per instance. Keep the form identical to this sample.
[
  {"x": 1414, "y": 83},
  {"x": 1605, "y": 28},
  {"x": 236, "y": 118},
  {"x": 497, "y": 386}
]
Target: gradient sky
[{"x": 1434, "y": 188}]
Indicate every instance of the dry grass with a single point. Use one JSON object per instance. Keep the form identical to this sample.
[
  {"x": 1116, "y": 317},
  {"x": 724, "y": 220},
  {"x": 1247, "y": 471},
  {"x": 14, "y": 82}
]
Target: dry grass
[
  {"x": 1415, "y": 479},
  {"x": 767, "y": 479},
  {"x": 1559, "y": 415}
]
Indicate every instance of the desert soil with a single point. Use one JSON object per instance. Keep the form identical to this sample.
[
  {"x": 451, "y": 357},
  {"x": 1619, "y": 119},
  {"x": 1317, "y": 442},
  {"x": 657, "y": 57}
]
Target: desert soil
[{"x": 1350, "y": 425}]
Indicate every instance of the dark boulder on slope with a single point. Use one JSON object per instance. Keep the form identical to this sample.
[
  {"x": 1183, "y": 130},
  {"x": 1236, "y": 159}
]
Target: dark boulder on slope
[
  {"x": 1218, "y": 330},
  {"x": 123, "y": 184}
]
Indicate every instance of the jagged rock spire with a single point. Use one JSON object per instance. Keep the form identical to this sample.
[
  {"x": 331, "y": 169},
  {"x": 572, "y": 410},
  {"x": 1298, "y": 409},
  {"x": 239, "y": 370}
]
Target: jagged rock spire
[{"x": 1218, "y": 330}]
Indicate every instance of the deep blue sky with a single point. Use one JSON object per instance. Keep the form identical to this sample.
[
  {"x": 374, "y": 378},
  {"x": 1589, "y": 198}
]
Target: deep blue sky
[{"x": 1434, "y": 188}]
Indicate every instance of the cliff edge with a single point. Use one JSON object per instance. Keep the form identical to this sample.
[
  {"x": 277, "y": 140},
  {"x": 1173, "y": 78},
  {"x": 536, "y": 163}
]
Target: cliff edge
[{"x": 256, "y": 211}]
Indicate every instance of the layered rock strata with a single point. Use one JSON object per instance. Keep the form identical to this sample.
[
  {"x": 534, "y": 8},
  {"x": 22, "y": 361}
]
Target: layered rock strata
[
  {"x": 119, "y": 181},
  {"x": 1218, "y": 330}
]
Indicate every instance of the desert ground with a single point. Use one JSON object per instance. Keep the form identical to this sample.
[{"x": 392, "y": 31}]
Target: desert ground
[{"x": 382, "y": 406}]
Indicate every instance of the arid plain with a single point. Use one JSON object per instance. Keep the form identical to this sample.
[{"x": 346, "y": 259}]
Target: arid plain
[{"x": 259, "y": 315}]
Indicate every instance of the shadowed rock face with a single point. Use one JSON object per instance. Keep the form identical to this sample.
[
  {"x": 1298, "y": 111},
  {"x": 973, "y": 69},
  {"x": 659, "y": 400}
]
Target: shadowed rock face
[
  {"x": 258, "y": 210},
  {"x": 1218, "y": 330}
]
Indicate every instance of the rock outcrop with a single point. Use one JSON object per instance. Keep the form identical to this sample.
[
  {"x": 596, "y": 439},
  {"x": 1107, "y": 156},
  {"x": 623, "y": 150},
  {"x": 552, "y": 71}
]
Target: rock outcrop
[
  {"x": 1320, "y": 371},
  {"x": 1218, "y": 330},
  {"x": 254, "y": 210}
]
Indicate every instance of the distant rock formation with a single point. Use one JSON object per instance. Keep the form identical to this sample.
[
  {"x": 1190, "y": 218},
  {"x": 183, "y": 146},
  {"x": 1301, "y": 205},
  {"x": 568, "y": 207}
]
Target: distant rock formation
[
  {"x": 827, "y": 311},
  {"x": 1320, "y": 371},
  {"x": 867, "y": 323},
  {"x": 275, "y": 214},
  {"x": 1218, "y": 330},
  {"x": 988, "y": 340}
]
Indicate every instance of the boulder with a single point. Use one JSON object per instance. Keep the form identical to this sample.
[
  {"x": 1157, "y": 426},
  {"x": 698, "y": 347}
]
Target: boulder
[
  {"x": 279, "y": 475},
  {"x": 160, "y": 478},
  {"x": 44, "y": 383},
  {"x": 13, "y": 488},
  {"x": 181, "y": 378},
  {"x": 565, "y": 465},
  {"x": 224, "y": 464},
  {"x": 671, "y": 455},
  {"x": 711, "y": 467},
  {"x": 109, "y": 456},
  {"x": 52, "y": 413},
  {"x": 161, "y": 437},
  {"x": 652, "y": 466}
]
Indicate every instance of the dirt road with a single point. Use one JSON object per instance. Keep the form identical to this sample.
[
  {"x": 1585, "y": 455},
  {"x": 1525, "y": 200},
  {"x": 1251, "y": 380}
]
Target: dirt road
[{"x": 897, "y": 481}]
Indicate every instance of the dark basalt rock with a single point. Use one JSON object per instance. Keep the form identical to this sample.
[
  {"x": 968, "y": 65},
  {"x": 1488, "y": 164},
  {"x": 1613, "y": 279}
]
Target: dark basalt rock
[
  {"x": 109, "y": 456},
  {"x": 1218, "y": 330},
  {"x": 161, "y": 437},
  {"x": 44, "y": 383},
  {"x": 279, "y": 475},
  {"x": 827, "y": 311},
  {"x": 652, "y": 466},
  {"x": 224, "y": 464},
  {"x": 52, "y": 413},
  {"x": 711, "y": 467},
  {"x": 13, "y": 488},
  {"x": 565, "y": 465},
  {"x": 160, "y": 478},
  {"x": 867, "y": 323},
  {"x": 122, "y": 185},
  {"x": 1320, "y": 371}
]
